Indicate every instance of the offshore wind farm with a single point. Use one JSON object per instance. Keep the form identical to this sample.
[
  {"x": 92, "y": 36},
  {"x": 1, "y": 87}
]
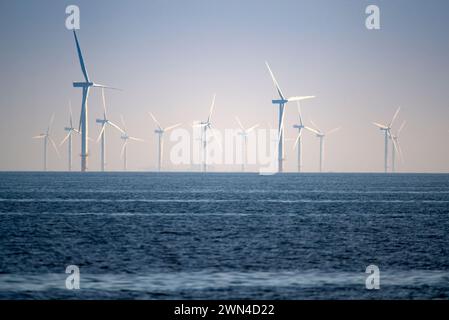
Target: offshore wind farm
[{"x": 203, "y": 150}]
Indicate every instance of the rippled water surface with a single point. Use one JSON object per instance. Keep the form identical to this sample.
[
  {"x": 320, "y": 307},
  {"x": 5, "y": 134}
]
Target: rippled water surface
[{"x": 223, "y": 236}]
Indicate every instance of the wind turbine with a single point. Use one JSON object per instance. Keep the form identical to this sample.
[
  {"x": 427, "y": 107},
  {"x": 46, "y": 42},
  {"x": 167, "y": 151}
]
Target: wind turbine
[
  {"x": 298, "y": 141},
  {"x": 244, "y": 133},
  {"x": 321, "y": 135},
  {"x": 47, "y": 137},
  {"x": 68, "y": 137},
  {"x": 282, "y": 102},
  {"x": 387, "y": 132},
  {"x": 126, "y": 138},
  {"x": 396, "y": 147},
  {"x": 83, "y": 124},
  {"x": 160, "y": 132},
  {"x": 206, "y": 125},
  {"x": 104, "y": 122}
]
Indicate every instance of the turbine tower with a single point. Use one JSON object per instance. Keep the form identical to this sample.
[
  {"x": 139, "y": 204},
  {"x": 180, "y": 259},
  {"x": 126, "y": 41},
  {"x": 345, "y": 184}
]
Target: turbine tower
[
  {"x": 244, "y": 133},
  {"x": 83, "y": 124},
  {"x": 282, "y": 102},
  {"x": 396, "y": 148},
  {"x": 126, "y": 138},
  {"x": 387, "y": 132},
  {"x": 104, "y": 122},
  {"x": 321, "y": 135},
  {"x": 298, "y": 141},
  {"x": 47, "y": 137},
  {"x": 206, "y": 125},
  {"x": 68, "y": 137},
  {"x": 160, "y": 132}
]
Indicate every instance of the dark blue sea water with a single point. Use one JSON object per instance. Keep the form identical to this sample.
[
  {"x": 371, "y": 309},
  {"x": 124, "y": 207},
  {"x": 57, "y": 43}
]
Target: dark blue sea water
[{"x": 224, "y": 236}]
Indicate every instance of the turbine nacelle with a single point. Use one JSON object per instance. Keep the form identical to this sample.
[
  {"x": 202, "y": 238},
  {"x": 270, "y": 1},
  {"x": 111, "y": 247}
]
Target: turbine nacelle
[
  {"x": 283, "y": 101},
  {"x": 83, "y": 84}
]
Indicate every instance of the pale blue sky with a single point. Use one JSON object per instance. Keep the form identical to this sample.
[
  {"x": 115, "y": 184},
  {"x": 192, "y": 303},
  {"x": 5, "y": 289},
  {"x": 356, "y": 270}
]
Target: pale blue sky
[{"x": 171, "y": 56}]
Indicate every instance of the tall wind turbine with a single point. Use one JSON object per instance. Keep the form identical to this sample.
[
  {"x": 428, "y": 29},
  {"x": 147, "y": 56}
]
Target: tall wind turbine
[
  {"x": 387, "y": 132},
  {"x": 206, "y": 125},
  {"x": 298, "y": 141},
  {"x": 47, "y": 137},
  {"x": 126, "y": 138},
  {"x": 71, "y": 130},
  {"x": 282, "y": 102},
  {"x": 396, "y": 147},
  {"x": 83, "y": 124},
  {"x": 104, "y": 122},
  {"x": 244, "y": 133},
  {"x": 160, "y": 132},
  {"x": 321, "y": 135}
]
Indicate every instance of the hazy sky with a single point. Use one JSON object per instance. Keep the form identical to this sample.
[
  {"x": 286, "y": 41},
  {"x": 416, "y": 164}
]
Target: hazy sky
[{"x": 171, "y": 56}]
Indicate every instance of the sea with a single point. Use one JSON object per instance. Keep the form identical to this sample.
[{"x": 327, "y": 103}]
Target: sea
[{"x": 224, "y": 236}]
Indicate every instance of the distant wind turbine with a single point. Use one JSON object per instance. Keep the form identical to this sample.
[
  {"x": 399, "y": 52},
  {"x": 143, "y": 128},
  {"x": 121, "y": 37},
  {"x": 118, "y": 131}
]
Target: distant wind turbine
[
  {"x": 83, "y": 124},
  {"x": 282, "y": 103},
  {"x": 298, "y": 141},
  {"x": 387, "y": 132},
  {"x": 244, "y": 133},
  {"x": 205, "y": 126},
  {"x": 104, "y": 122},
  {"x": 396, "y": 148},
  {"x": 126, "y": 138},
  {"x": 321, "y": 135},
  {"x": 47, "y": 137},
  {"x": 68, "y": 137},
  {"x": 160, "y": 132}
]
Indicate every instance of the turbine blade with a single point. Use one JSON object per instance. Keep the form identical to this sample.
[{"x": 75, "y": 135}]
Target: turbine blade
[
  {"x": 97, "y": 85},
  {"x": 292, "y": 99},
  {"x": 316, "y": 127},
  {"x": 401, "y": 155},
  {"x": 215, "y": 137},
  {"x": 66, "y": 137},
  {"x": 155, "y": 120},
  {"x": 123, "y": 123},
  {"x": 333, "y": 131},
  {"x": 394, "y": 142},
  {"x": 312, "y": 130},
  {"x": 239, "y": 123},
  {"x": 402, "y": 127},
  {"x": 276, "y": 84},
  {"x": 252, "y": 128},
  {"x": 54, "y": 146},
  {"x": 116, "y": 126},
  {"x": 394, "y": 117},
  {"x": 51, "y": 123},
  {"x": 172, "y": 127},
  {"x": 136, "y": 139},
  {"x": 80, "y": 57},
  {"x": 211, "y": 108},
  {"x": 380, "y": 125},
  {"x": 101, "y": 132}
]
